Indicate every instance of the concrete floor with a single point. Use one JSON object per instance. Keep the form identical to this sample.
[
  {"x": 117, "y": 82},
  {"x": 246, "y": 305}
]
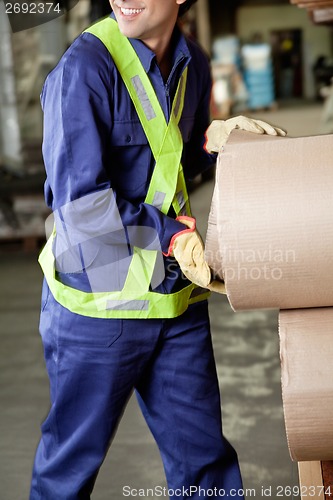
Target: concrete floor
[{"x": 246, "y": 349}]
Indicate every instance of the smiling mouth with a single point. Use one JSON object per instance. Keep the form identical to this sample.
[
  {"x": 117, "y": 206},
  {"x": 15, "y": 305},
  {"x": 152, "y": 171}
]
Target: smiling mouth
[{"x": 130, "y": 12}]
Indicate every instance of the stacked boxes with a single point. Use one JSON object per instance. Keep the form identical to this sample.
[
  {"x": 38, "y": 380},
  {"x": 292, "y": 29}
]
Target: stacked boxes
[
  {"x": 258, "y": 75},
  {"x": 229, "y": 92}
]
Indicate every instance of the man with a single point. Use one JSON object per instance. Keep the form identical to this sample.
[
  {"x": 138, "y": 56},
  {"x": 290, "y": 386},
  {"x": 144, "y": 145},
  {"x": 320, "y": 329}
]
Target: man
[{"x": 123, "y": 306}]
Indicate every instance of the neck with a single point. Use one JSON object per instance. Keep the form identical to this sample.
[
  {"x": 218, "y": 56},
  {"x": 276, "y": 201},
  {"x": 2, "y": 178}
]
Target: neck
[
  {"x": 165, "y": 63},
  {"x": 163, "y": 50}
]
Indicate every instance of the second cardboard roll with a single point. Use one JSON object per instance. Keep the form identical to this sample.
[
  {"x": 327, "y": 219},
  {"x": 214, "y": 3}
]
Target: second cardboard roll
[{"x": 306, "y": 350}]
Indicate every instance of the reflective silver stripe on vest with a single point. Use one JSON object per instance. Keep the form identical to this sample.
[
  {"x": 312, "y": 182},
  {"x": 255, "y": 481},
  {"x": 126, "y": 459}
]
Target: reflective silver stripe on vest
[
  {"x": 128, "y": 305},
  {"x": 158, "y": 199},
  {"x": 179, "y": 96},
  {"x": 180, "y": 199},
  {"x": 143, "y": 97}
]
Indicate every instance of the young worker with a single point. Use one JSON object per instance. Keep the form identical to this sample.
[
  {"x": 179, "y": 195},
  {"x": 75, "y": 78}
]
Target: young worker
[{"x": 124, "y": 302}]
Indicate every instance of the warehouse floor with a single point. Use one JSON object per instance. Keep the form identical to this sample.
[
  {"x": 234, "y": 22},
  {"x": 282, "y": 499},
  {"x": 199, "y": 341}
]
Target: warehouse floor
[{"x": 246, "y": 349}]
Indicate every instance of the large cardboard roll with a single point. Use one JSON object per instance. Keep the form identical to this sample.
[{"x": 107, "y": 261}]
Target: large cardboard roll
[
  {"x": 270, "y": 231},
  {"x": 306, "y": 350}
]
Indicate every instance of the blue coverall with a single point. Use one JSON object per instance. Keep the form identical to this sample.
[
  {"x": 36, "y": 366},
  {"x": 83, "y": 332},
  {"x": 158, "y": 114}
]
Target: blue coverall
[{"x": 93, "y": 140}]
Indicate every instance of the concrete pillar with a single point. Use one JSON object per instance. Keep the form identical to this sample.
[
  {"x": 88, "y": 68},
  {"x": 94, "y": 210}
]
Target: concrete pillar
[{"x": 10, "y": 137}]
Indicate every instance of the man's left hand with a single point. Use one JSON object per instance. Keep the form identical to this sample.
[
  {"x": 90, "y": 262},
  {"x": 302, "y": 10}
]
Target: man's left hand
[{"x": 219, "y": 130}]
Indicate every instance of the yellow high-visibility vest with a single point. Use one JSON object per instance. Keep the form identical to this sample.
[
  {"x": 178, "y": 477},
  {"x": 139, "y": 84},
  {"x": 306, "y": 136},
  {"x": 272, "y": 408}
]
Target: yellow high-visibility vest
[{"x": 167, "y": 187}]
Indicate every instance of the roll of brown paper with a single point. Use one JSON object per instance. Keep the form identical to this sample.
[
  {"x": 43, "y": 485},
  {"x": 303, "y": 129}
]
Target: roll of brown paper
[
  {"x": 270, "y": 231},
  {"x": 270, "y": 237},
  {"x": 306, "y": 349}
]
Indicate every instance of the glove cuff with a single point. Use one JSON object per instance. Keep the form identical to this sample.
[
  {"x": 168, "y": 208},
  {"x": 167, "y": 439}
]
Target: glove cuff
[{"x": 190, "y": 222}]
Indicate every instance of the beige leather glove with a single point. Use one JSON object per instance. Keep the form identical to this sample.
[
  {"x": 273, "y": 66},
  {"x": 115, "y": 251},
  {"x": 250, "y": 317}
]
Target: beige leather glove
[
  {"x": 217, "y": 287},
  {"x": 188, "y": 249},
  {"x": 219, "y": 130}
]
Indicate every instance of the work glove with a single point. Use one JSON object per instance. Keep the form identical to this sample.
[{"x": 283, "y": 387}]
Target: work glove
[
  {"x": 217, "y": 286},
  {"x": 188, "y": 249},
  {"x": 219, "y": 130}
]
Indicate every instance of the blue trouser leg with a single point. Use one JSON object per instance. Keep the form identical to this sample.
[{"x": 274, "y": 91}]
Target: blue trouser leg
[
  {"x": 94, "y": 364},
  {"x": 179, "y": 397}
]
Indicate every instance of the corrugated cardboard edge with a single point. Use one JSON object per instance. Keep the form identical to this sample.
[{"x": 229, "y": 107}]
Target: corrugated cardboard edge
[{"x": 306, "y": 346}]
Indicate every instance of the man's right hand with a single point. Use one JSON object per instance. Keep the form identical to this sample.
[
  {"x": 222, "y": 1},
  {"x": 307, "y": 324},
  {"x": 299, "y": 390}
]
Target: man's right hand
[{"x": 188, "y": 249}]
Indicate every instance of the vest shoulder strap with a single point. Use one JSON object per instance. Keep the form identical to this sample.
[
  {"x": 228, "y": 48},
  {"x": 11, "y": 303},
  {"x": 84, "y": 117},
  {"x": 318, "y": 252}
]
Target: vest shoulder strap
[{"x": 164, "y": 139}]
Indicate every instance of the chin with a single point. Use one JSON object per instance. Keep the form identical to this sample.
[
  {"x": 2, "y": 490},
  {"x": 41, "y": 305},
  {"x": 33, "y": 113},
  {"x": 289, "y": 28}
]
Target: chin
[{"x": 128, "y": 31}]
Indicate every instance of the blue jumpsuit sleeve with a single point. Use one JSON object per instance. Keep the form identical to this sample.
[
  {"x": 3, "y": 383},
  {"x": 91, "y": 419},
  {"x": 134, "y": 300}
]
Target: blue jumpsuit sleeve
[{"x": 77, "y": 100}]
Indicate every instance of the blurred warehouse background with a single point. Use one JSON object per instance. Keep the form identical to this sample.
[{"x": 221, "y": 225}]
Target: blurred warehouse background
[{"x": 271, "y": 59}]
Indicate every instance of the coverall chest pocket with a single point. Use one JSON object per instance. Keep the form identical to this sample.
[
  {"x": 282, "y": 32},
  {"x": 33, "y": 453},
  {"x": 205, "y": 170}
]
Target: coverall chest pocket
[{"x": 131, "y": 159}]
